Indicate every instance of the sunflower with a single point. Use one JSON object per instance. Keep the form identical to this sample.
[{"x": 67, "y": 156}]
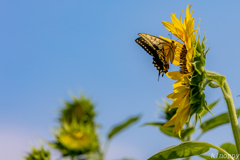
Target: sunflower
[
  {"x": 184, "y": 87},
  {"x": 76, "y": 139}
]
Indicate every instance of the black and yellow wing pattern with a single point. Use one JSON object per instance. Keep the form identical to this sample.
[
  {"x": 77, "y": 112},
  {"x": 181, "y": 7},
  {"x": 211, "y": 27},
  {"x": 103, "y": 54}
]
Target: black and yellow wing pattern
[{"x": 161, "y": 50}]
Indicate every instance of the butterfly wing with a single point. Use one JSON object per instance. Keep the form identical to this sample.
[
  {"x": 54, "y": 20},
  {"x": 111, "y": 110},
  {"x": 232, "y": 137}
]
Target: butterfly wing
[
  {"x": 154, "y": 51},
  {"x": 170, "y": 48},
  {"x": 155, "y": 42},
  {"x": 165, "y": 45}
]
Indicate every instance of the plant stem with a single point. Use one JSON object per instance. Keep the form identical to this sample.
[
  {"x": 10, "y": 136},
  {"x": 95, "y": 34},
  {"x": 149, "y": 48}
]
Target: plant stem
[
  {"x": 188, "y": 138},
  {"x": 198, "y": 137},
  {"x": 221, "y": 81},
  {"x": 232, "y": 114},
  {"x": 223, "y": 151},
  {"x": 105, "y": 149}
]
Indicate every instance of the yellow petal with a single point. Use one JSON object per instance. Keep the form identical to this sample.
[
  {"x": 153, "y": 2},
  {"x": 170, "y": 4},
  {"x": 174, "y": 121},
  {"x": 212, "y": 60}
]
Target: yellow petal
[
  {"x": 185, "y": 116},
  {"x": 166, "y": 39},
  {"x": 180, "y": 89},
  {"x": 184, "y": 103},
  {"x": 181, "y": 16},
  {"x": 176, "y": 61},
  {"x": 176, "y": 22},
  {"x": 175, "y": 75},
  {"x": 175, "y": 104},
  {"x": 170, "y": 95},
  {"x": 177, "y": 129},
  {"x": 177, "y": 84},
  {"x": 169, "y": 26},
  {"x": 177, "y": 95},
  {"x": 171, "y": 122},
  {"x": 187, "y": 13},
  {"x": 184, "y": 79},
  {"x": 191, "y": 13}
]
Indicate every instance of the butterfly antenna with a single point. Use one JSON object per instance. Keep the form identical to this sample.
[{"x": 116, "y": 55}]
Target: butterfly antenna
[
  {"x": 170, "y": 35},
  {"x": 158, "y": 75},
  {"x": 177, "y": 39}
]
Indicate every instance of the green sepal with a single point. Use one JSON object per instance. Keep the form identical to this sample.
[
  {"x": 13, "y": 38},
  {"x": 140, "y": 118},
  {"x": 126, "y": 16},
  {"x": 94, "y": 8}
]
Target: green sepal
[
  {"x": 210, "y": 106},
  {"x": 205, "y": 53},
  {"x": 198, "y": 67},
  {"x": 206, "y": 108},
  {"x": 198, "y": 47},
  {"x": 196, "y": 108},
  {"x": 198, "y": 80}
]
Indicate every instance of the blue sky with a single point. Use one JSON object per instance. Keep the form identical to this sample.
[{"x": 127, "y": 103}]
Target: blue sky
[{"x": 50, "y": 50}]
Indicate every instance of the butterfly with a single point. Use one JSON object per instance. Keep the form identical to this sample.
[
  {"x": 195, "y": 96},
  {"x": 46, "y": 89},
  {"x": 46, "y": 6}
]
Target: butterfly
[{"x": 161, "y": 49}]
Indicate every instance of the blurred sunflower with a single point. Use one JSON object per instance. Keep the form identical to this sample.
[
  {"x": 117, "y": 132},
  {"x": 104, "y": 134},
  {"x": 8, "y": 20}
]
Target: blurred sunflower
[{"x": 76, "y": 139}]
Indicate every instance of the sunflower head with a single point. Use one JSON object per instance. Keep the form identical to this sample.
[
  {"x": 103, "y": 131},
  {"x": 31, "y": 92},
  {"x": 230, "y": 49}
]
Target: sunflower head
[
  {"x": 82, "y": 109},
  {"x": 38, "y": 154},
  {"x": 188, "y": 94},
  {"x": 76, "y": 139}
]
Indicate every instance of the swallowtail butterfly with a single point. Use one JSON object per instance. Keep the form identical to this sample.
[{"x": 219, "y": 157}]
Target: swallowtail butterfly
[{"x": 161, "y": 50}]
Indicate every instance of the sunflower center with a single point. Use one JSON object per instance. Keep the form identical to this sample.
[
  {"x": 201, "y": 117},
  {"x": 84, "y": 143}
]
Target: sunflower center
[{"x": 183, "y": 60}]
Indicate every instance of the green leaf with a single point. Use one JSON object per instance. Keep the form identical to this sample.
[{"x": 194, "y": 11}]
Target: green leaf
[
  {"x": 206, "y": 157},
  {"x": 210, "y": 106},
  {"x": 213, "y": 85},
  {"x": 169, "y": 130},
  {"x": 166, "y": 130},
  {"x": 186, "y": 149},
  {"x": 190, "y": 148},
  {"x": 216, "y": 121},
  {"x": 118, "y": 128},
  {"x": 229, "y": 147},
  {"x": 157, "y": 124},
  {"x": 187, "y": 132}
]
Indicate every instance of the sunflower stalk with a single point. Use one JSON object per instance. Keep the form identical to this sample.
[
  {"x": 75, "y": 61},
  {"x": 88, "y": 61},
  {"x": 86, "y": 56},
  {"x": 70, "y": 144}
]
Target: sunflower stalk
[
  {"x": 221, "y": 81},
  {"x": 188, "y": 138}
]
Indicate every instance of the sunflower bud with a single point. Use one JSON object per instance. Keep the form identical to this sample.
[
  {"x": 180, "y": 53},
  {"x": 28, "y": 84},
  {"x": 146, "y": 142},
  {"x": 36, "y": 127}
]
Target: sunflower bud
[{"x": 76, "y": 139}]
